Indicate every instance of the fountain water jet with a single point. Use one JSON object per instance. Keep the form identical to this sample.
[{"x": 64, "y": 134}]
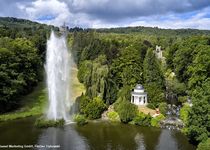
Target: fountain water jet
[{"x": 58, "y": 74}]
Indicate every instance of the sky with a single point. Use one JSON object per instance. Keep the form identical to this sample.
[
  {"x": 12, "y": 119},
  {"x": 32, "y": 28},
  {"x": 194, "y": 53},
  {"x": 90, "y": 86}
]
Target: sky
[{"x": 112, "y": 13}]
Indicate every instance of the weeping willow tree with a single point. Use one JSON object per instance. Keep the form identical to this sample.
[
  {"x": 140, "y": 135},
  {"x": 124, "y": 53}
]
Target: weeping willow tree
[
  {"x": 98, "y": 81},
  {"x": 94, "y": 75}
]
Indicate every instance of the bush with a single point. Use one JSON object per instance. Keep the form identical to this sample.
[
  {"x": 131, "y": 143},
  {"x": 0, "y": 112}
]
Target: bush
[
  {"x": 151, "y": 105},
  {"x": 155, "y": 122},
  {"x": 124, "y": 92},
  {"x": 94, "y": 108},
  {"x": 184, "y": 111},
  {"x": 83, "y": 102},
  {"x": 113, "y": 116},
  {"x": 182, "y": 99},
  {"x": 44, "y": 123},
  {"x": 197, "y": 134},
  {"x": 127, "y": 111},
  {"x": 204, "y": 145},
  {"x": 142, "y": 119},
  {"x": 163, "y": 108},
  {"x": 118, "y": 102},
  {"x": 184, "y": 114},
  {"x": 80, "y": 119}
]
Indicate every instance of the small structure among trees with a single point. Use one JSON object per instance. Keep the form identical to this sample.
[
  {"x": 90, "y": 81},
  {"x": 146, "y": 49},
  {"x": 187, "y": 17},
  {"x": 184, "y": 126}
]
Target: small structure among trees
[
  {"x": 159, "y": 52},
  {"x": 138, "y": 96}
]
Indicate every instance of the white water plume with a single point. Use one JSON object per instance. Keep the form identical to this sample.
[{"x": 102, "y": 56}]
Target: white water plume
[{"x": 58, "y": 75}]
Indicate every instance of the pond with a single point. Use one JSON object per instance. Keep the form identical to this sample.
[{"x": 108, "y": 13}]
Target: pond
[{"x": 96, "y": 135}]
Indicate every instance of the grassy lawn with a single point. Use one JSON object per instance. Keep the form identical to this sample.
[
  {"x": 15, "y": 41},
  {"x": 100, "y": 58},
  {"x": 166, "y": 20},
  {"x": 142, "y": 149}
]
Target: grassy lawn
[
  {"x": 34, "y": 103},
  {"x": 77, "y": 87},
  {"x": 31, "y": 104}
]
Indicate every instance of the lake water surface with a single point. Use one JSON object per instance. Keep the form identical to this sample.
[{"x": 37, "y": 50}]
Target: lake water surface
[{"x": 93, "y": 136}]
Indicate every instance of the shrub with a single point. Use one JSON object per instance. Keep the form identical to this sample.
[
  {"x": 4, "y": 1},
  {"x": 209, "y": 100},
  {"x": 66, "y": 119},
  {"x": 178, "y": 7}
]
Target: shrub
[
  {"x": 44, "y": 123},
  {"x": 151, "y": 105},
  {"x": 113, "y": 116},
  {"x": 184, "y": 111},
  {"x": 197, "y": 134},
  {"x": 118, "y": 102},
  {"x": 163, "y": 108},
  {"x": 83, "y": 102},
  {"x": 184, "y": 130},
  {"x": 94, "y": 108},
  {"x": 80, "y": 119},
  {"x": 182, "y": 99},
  {"x": 155, "y": 122},
  {"x": 204, "y": 145},
  {"x": 127, "y": 111},
  {"x": 142, "y": 119},
  {"x": 124, "y": 92}
]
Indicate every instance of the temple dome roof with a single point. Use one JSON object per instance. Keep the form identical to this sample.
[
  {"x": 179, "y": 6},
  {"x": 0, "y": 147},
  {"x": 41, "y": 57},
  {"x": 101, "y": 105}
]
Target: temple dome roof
[{"x": 139, "y": 87}]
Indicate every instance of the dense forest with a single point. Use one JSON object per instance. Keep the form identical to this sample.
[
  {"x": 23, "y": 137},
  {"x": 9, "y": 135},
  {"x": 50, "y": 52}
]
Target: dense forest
[
  {"x": 22, "y": 54},
  {"x": 147, "y": 31},
  {"x": 111, "y": 62}
]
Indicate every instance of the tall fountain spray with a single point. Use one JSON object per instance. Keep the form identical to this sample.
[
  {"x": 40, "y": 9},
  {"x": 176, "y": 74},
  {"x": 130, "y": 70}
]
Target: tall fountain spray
[{"x": 58, "y": 72}]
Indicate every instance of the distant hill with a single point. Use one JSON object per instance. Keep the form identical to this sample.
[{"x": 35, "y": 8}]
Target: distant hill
[
  {"x": 147, "y": 31},
  {"x": 15, "y": 22},
  {"x": 11, "y": 22},
  {"x": 155, "y": 31},
  {"x": 14, "y": 27},
  {"x": 23, "y": 24},
  {"x": 37, "y": 33}
]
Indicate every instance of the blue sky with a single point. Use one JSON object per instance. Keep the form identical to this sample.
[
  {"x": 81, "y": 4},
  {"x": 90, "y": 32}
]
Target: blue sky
[{"x": 112, "y": 13}]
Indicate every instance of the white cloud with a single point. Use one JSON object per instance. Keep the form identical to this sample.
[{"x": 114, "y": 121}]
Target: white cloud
[
  {"x": 58, "y": 10},
  {"x": 53, "y": 12},
  {"x": 112, "y": 13},
  {"x": 198, "y": 21}
]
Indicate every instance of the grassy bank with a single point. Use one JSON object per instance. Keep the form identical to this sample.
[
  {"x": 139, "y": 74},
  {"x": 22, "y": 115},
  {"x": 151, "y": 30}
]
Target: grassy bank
[
  {"x": 45, "y": 123},
  {"x": 31, "y": 104},
  {"x": 77, "y": 87},
  {"x": 34, "y": 103}
]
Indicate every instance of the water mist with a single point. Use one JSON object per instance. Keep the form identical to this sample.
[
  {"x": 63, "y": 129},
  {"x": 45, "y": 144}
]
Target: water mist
[{"x": 58, "y": 75}]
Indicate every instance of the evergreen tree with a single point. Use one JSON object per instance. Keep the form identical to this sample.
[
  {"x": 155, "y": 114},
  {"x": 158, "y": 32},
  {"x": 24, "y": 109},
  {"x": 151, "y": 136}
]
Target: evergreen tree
[
  {"x": 153, "y": 78},
  {"x": 152, "y": 70},
  {"x": 127, "y": 68}
]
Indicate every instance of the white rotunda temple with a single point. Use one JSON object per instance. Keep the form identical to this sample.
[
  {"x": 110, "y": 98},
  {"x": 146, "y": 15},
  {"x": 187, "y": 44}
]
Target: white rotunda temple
[{"x": 138, "y": 96}]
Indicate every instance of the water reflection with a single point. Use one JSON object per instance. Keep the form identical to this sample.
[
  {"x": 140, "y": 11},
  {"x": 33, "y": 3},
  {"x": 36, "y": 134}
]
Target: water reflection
[
  {"x": 66, "y": 137},
  {"x": 166, "y": 141},
  {"x": 173, "y": 140},
  {"x": 93, "y": 136},
  {"x": 105, "y": 136},
  {"x": 139, "y": 139}
]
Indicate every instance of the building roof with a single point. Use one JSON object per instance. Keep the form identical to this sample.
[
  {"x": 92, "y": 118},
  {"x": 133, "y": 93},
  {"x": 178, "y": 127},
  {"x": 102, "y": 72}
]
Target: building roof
[
  {"x": 137, "y": 93},
  {"x": 139, "y": 87}
]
